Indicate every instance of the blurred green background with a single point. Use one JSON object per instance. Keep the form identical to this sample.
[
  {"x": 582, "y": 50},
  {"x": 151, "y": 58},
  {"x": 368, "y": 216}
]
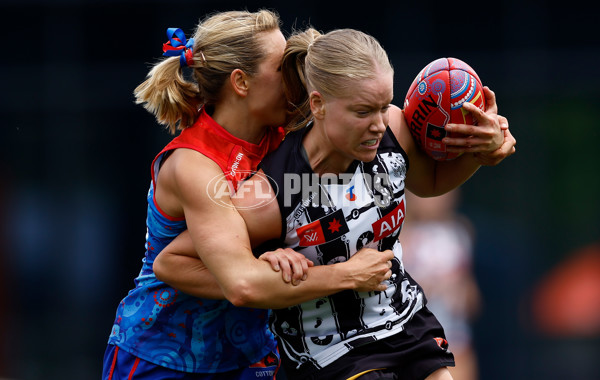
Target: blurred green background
[{"x": 76, "y": 152}]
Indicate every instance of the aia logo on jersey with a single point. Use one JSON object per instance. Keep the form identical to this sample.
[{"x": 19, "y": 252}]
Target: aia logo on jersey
[
  {"x": 350, "y": 195},
  {"x": 329, "y": 227},
  {"x": 389, "y": 223}
]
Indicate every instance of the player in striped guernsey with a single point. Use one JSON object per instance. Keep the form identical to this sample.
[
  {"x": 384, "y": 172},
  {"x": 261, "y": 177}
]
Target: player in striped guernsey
[{"x": 348, "y": 130}]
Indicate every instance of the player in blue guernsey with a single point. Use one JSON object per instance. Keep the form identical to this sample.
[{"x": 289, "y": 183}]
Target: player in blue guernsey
[
  {"x": 160, "y": 332},
  {"x": 164, "y": 326},
  {"x": 336, "y": 187}
]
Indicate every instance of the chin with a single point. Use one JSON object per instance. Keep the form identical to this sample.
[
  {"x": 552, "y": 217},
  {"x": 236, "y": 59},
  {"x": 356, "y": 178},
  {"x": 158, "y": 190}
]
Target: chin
[{"x": 367, "y": 157}]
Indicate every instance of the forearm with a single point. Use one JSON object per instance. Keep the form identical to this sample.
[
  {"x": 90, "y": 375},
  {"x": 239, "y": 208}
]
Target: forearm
[
  {"x": 187, "y": 274},
  {"x": 255, "y": 285},
  {"x": 232, "y": 272},
  {"x": 259, "y": 286},
  {"x": 430, "y": 178},
  {"x": 451, "y": 174}
]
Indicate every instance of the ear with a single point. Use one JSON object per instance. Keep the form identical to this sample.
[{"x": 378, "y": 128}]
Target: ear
[
  {"x": 317, "y": 104},
  {"x": 239, "y": 82}
]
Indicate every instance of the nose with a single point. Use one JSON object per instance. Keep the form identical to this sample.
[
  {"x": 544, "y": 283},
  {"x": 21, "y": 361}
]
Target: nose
[{"x": 379, "y": 123}]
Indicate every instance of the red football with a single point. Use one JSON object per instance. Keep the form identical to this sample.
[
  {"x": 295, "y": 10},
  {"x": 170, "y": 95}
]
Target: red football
[{"x": 435, "y": 98}]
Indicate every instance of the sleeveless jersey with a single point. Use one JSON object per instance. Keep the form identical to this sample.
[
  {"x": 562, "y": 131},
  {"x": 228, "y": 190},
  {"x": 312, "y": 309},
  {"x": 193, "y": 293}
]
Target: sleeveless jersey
[
  {"x": 160, "y": 324},
  {"x": 328, "y": 219}
]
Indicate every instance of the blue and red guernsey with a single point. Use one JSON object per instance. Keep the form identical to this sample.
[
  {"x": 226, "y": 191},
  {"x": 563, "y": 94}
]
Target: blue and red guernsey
[{"x": 160, "y": 324}]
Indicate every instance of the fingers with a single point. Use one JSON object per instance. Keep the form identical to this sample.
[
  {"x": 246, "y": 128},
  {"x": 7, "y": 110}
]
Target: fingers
[
  {"x": 388, "y": 273},
  {"x": 293, "y": 265},
  {"x": 271, "y": 258},
  {"x": 300, "y": 269},
  {"x": 472, "y": 143},
  {"x": 510, "y": 139},
  {"x": 478, "y": 114},
  {"x": 388, "y": 254},
  {"x": 286, "y": 268},
  {"x": 494, "y": 158},
  {"x": 383, "y": 285},
  {"x": 486, "y": 136},
  {"x": 503, "y": 122},
  {"x": 481, "y": 119},
  {"x": 490, "y": 100},
  {"x": 371, "y": 269}
]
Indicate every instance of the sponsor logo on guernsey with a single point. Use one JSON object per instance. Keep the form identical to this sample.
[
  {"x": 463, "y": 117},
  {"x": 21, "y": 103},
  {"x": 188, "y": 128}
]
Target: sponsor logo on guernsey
[
  {"x": 390, "y": 222},
  {"x": 236, "y": 163},
  {"x": 328, "y": 228},
  {"x": 266, "y": 373},
  {"x": 350, "y": 195}
]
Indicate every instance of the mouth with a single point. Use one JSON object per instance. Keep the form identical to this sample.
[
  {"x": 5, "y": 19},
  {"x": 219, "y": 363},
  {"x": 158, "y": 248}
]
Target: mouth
[{"x": 370, "y": 143}]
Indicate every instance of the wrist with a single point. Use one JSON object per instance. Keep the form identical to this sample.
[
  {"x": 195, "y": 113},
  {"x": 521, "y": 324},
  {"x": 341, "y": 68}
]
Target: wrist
[{"x": 344, "y": 276}]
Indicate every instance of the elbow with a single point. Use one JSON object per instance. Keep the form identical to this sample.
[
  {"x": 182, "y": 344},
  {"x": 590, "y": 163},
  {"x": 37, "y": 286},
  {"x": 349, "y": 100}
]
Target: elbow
[
  {"x": 158, "y": 268},
  {"x": 242, "y": 294},
  {"x": 428, "y": 189}
]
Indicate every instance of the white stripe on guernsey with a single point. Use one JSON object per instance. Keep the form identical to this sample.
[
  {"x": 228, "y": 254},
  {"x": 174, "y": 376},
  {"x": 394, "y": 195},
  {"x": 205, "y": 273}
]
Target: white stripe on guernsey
[{"x": 330, "y": 354}]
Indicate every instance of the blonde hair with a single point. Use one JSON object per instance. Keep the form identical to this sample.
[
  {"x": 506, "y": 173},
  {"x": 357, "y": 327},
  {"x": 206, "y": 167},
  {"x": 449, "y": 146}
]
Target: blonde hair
[
  {"x": 328, "y": 63},
  {"x": 223, "y": 42}
]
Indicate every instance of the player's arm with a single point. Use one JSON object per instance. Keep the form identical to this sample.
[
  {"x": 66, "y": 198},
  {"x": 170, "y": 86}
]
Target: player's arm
[
  {"x": 429, "y": 177},
  {"x": 220, "y": 238},
  {"x": 178, "y": 265}
]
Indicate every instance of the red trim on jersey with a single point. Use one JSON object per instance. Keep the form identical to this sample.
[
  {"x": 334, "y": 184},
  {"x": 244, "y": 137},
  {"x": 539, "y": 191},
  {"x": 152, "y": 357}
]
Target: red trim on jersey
[
  {"x": 114, "y": 362},
  {"x": 160, "y": 210},
  {"x": 206, "y": 136},
  {"x": 135, "y": 364}
]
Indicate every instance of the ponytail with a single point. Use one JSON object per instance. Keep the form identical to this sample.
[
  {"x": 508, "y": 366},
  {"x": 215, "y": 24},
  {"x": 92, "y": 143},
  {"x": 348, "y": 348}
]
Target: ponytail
[
  {"x": 166, "y": 94},
  {"x": 223, "y": 42},
  {"x": 294, "y": 77},
  {"x": 330, "y": 64}
]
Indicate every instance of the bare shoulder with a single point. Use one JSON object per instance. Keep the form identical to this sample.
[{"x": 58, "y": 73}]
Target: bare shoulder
[
  {"x": 396, "y": 119},
  {"x": 192, "y": 172},
  {"x": 400, "y": 129},
  {"x": 184, "y": 180},
  {"x": 183, "y": 162}
]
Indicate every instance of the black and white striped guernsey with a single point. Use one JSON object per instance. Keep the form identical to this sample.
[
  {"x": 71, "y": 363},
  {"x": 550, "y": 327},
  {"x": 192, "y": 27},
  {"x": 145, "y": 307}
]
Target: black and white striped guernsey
[{"x": 328, "y": 219}]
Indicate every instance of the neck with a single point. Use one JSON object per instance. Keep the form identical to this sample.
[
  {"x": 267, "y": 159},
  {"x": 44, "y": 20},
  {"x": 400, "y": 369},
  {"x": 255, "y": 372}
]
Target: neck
[
  {"x": 322, "y": 155},
  {"x": 239, "y": 124}
]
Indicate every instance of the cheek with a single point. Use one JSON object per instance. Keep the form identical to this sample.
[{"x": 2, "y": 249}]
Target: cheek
[
  {"x": 340, "y": 133},
  {"x": 274, "y": 91},
  {"x": 275, "y": 82},
  {"x": 386, "y": 118}
]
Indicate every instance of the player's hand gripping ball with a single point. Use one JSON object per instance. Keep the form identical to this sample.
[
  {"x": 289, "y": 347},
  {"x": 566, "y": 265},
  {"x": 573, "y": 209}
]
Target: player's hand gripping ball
[{"x": 435, "y": 98}]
